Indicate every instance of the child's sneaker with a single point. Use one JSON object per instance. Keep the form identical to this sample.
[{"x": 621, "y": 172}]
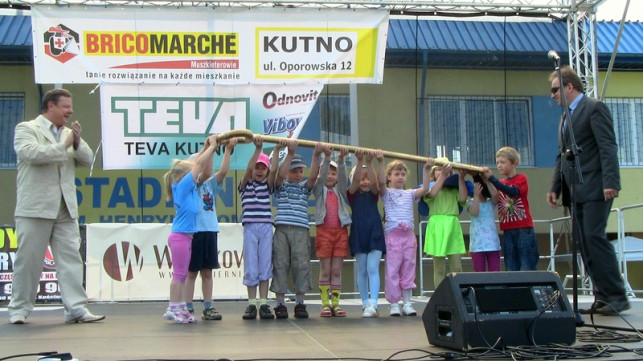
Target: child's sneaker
[
  {"x": 211, "y": 314},
  {"x": 281, "y": 311},
  {"x": 394, "y": 310},
  {"x": 187, "y": 315},
  {"x": 300, "y": 311},
  {"x": 326, "y": 312},
  {"x": 337, "y": 311},
  {"x": 174, "y": 315},
  {"x": 250, "y": 313},
  {"x": 264, "y": 313},
  {"x": 408, "y": 310},
  {"x": 369, "y": 312}
]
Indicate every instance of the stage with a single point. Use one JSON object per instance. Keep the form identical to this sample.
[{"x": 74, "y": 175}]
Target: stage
[{"x": 136, "y": 331}]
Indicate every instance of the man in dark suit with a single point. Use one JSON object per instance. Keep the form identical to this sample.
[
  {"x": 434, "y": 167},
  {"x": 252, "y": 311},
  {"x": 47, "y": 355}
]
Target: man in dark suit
[
  {"x": 47, "y": 208},
  {"x": 593, "y": 130}
]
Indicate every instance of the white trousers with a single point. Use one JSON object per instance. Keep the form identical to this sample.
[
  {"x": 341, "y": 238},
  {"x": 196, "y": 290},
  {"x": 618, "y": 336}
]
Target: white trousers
[{"x": 34, "y": 234}]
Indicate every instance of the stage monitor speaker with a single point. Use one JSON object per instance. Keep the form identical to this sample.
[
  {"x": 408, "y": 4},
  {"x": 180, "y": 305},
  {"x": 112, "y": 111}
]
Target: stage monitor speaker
[{"x": 470, "y": 310}]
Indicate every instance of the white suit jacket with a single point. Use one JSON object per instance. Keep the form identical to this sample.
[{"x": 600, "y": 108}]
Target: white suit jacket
[{"x": 46, "y": 170}]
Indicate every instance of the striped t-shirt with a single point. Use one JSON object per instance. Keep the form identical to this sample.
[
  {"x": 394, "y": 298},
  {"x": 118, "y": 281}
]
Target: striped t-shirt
[
  {"x": 255, "y": 203},
  {"x": 292, "y": 204}
]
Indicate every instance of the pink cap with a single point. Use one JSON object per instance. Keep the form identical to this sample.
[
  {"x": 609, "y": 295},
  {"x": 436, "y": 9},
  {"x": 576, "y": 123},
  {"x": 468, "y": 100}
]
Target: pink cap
[{"x": 263, "y": 159}]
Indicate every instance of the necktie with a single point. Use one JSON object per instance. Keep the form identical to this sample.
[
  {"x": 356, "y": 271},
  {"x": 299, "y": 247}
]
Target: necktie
[{"x": 564, "y": 128}]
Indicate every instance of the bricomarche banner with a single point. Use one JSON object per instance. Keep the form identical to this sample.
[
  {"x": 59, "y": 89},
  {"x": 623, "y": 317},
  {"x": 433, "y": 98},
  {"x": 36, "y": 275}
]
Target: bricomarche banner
[{"x": 222, "y": 46}]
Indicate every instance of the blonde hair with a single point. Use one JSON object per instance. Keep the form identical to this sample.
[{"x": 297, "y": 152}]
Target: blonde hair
[
  {"x": 510, "y": 153},
  {"x": 395, "y": 165},
  {"x": 432, "y": 173},
  {"x": 179, "y": 169},
  {"x": 364, "y": 172}
]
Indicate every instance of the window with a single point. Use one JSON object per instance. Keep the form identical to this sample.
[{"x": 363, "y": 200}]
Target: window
[
  {"x": 335, "y": 119},
  {"x": 628, "y": 126},
  {"x": 471, "y": 129},
  {"x": 12, "y": 109},
  {"x": 335, "y": 123}
]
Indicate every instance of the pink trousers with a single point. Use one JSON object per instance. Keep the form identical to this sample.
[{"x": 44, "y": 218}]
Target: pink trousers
[{"x": 400, "y": 261}]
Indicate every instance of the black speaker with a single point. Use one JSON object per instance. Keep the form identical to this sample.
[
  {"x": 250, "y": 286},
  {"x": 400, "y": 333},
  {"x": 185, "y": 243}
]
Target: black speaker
[{"x": 476, "y": 309}]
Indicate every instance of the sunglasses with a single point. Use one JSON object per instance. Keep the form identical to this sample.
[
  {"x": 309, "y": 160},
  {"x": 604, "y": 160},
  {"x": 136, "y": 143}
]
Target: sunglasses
[{"x": 555, "y": 89}]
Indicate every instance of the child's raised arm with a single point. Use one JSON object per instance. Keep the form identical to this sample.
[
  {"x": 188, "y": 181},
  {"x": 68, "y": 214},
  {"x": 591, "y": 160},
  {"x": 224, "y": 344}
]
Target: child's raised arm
[
  {"x": 420, "y": 192},
  {"x": 439, "y": 182},
  {"x": 258, "y": 142},
  {"x": 291, "y": 144},
  {"x": 342, "y": 178},
  {"x": 381, "y": 172},
  {"x": 512, "y": 191},
  {"x": 474, "y": 208},
  {"x": 492, "y": 191},
  {"x": 202, "y": 169},
  {"x": 314, "y": 164},
  {"x": 274, "y": 166},
  {"x": 462, "y": 186},
  {"x": 357, "y": 174},
  {"x": 225, "y": 163},
  {"x": 371, "y": 171}
]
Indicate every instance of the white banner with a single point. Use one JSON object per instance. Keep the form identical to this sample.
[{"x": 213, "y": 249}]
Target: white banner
[
  {"x": 194, "y": 45},
  {"x": 147, "y": 126},
  {"x": 132, "y": 262}
]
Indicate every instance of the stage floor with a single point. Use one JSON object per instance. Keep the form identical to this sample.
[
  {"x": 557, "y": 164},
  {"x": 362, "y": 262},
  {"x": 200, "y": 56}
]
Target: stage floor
[{"x": 136, "y": 331}]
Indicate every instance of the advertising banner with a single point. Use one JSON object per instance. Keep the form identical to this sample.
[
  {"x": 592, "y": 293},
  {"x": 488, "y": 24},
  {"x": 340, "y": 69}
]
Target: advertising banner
[
  {"x": 129, "y": 262},
  {"x": 147, "y": 126},
  {"x": 194, "y": 45},
  {"x": 48, "y": 287}
]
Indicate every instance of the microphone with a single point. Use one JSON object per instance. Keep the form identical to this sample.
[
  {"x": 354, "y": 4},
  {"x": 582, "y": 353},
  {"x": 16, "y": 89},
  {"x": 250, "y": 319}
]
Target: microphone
[{"x": 553, "y": 55}]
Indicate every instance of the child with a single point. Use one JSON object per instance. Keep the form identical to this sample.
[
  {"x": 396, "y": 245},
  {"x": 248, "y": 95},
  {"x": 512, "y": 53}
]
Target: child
[
  {"x": 255, "y": 188},
  {"x": 366, "y": 237},
  {"x": 401, "y": 244},
  {"x": 484, "y": 243},
  {"x": 181, "y": 186},
  {"x": 332, "y": 219},
  {"x": 205, "y": 252},
  {"x": 443, "y": 233},
  {"x": 519, "y": 241},
  {"x": 291, "y": 244}
]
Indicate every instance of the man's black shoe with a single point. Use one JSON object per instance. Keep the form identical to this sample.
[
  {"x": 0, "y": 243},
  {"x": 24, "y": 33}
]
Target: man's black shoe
[
  {"x": 613, "y": 308},
  {"x": 592, "y": 309}
]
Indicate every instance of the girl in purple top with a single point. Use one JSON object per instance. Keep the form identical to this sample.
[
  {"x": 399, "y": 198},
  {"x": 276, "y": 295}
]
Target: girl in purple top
[{"x": 401, "y": 243}]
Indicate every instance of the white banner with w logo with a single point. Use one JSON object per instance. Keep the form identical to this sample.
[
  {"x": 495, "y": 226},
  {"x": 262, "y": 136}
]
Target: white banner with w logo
[{"x": 132, "y": 262}]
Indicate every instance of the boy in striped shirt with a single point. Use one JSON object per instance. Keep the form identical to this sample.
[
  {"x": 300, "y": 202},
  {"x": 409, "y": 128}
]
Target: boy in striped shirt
[{"x": 291, "y": 243}]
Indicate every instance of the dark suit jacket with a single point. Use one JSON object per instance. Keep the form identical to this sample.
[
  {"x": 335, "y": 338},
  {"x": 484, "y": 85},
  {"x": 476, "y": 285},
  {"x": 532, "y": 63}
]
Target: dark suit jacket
[{"x": 594, "y": 132}]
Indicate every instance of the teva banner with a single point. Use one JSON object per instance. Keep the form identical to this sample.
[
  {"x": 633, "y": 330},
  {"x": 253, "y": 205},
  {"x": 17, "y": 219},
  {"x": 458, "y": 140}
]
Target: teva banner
[
  {"x": 147, "y": 126},
  {"x": 208, "y": 46}
]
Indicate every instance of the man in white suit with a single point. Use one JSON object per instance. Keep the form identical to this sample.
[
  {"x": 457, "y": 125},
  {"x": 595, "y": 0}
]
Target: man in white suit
[{"x": 47, "y": 209}]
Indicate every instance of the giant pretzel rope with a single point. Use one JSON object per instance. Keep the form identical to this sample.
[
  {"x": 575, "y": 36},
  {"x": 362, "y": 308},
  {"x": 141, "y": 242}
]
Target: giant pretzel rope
[{"x": 246, "y": 136}]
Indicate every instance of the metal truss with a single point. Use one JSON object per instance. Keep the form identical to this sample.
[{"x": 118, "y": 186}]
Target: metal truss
[
  {"x": 558, "y": 8},
  {"x": 583, "y": 47}
]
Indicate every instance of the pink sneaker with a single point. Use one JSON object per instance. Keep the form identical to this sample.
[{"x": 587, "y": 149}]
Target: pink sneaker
[
  {"x": 175, "y": 315},
  {"x": 187, "y": 315}
]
